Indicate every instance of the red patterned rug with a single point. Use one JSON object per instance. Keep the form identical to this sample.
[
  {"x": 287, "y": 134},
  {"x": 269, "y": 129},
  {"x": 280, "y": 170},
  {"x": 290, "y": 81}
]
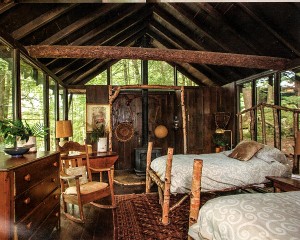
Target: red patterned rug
[{"x": 137, "y": 216}]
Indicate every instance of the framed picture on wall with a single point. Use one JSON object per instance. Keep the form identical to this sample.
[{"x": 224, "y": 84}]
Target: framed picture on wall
[{"x": 97, "y": 115}]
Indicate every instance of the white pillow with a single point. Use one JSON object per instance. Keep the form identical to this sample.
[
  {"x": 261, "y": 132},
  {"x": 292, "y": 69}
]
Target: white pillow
[{"x": 270, "y": 154}]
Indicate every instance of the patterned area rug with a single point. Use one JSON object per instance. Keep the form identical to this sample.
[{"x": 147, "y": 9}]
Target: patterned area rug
[{"x": 137, "y": 216}]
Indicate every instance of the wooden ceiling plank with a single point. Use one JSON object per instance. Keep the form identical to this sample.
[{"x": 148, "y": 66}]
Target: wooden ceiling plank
[
  {"x": 201, "y": 57},
  {"x": 269, "y": 28},
  {"x": 6, "y": 6},
  {"x": 219, "y": 17},
  {"x": 176, "y": 43},
  {"x": 115, "y": 38},
  {"x": 42, "y": 20},
  {"x": 78, "y": 24},
  {"x": 101, "y": 29}
]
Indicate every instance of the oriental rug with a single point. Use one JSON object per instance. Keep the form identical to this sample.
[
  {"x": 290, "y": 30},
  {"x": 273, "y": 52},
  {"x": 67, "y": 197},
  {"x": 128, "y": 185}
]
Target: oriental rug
[{"x": 137, "y": 216}]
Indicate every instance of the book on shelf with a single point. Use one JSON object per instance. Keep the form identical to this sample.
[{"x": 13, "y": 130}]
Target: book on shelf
[{"x": 296, "y": 176}]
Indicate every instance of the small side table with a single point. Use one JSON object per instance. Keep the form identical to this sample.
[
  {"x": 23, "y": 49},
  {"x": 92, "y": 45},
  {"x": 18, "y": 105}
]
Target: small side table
[{"x": 282, "y": 184}]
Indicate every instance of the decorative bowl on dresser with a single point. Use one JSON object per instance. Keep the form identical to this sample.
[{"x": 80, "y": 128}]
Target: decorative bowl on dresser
[{"x": 29, "y": 195}]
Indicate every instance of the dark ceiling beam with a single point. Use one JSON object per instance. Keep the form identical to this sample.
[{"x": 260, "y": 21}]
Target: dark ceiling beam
[
  {"x": 6, "y": 6},
  {"x": 79, "y": 24},
  {"x": 271, "y": 29},
  {"x": 189, "y": 21},
  {"x": 178, "y": 44},
  {"x": 106, "y": 29},
  {"x": 201, "y": 57},
  {"x": 93, "y": 70},
  {"x": 125, "y": 30},
  {"x": 41, "y": 21},
  {"x": 212, "y": 12},
  {"x": 202, "y": 79}
]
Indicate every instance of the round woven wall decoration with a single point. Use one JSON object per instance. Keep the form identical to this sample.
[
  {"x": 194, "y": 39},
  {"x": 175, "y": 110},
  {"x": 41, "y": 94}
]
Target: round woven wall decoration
[{"x": 124, "y": 132}]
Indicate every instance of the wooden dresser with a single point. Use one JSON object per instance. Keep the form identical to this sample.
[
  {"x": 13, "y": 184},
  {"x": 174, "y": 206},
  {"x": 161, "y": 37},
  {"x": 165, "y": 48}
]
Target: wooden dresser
[{"x": 29, "y": 195}]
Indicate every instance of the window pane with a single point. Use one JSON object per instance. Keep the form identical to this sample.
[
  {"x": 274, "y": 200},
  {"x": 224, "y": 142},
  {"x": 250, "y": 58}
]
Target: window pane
[
  {"x": 100, "y": 79},
  {"x": 245, "y": 102},
  {"x": 126, "y": 72},
  {"x": 61, "y": 103},
  {"x": 289, "y": 97},
  {"x": 32, "y": 108},
  {"x": 182, "y": 80},
  {"x": 6, "y": 63},
  {"x": 52, "y": 113},
  {"x": 265, "y": 90},
  {"x": 160, "y": 73},
  {"x": 77, "y": 116}
]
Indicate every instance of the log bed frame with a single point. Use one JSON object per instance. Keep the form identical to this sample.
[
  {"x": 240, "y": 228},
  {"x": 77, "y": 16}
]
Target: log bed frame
[{"x": 164, "y": 187}]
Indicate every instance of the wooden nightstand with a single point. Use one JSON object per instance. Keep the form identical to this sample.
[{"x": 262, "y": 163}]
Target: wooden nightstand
[{"x": 282, "y": 184}]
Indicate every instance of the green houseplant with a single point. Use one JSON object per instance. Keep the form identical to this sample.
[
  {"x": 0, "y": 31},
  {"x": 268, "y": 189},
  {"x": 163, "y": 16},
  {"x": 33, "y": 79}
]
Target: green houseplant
[
  {"x": 220, "y": 141},
  {"x": 11, "y": 129}
]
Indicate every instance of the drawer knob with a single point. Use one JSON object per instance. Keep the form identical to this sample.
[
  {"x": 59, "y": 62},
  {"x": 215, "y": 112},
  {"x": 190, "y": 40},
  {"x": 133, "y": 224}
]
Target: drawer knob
[
  {"x": 57, "y": 214},
  {"x": 27, "y": 177},
  {"x": 56, "y": 196},
  {"x": 53, "y": 179},
  {"x": 28, "y": 226},
  {"x": 55, "y": 164},
  {"x": 27, "y": 200}
]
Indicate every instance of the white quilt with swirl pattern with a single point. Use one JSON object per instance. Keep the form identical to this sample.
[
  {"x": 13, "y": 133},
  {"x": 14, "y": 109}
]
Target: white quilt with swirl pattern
[
  {"x": 249, "y": 217},
  {"x": 219, "y": 171}
]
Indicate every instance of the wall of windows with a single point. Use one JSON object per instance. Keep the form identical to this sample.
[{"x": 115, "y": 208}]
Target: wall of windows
[
  {"x": 52, "y": 115},
  {"x": 32, "y": 99},
  {"x": 264, "y": 91},
  {"x": 6, "y": 66}
]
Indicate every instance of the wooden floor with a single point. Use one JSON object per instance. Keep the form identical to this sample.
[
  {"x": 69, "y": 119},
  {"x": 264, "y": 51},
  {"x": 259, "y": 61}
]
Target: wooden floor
[{"x": 99, "y": 222}]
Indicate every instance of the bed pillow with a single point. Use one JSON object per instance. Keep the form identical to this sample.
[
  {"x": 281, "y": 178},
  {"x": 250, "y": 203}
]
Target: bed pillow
[
  {"x": 245, "y": 150},
  {"x": 270, "y": 154}
]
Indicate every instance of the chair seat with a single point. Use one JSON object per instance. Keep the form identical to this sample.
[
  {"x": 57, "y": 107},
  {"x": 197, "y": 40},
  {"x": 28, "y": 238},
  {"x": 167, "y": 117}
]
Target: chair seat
[{"x": 87, "y": 188}]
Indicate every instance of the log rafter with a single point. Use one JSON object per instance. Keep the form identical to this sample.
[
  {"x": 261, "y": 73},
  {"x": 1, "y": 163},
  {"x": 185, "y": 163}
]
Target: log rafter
[{"x": 188, "y": 56}]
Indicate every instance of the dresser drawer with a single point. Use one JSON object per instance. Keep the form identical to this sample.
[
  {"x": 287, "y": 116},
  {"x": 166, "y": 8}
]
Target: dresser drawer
[
  {"x": 45, "y": 230},
  {"x": 27, "y": 201},
  {"x": 31, "y": 174},
  {"x": 31, "y": 223}
]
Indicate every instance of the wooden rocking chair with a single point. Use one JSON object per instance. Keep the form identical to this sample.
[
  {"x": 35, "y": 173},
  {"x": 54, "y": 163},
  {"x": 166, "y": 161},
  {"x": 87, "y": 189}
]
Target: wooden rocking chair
[{"x": 77, "y": 186}]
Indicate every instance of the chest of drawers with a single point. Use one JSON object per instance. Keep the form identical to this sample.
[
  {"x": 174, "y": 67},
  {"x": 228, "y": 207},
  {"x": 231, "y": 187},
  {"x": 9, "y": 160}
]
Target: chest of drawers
[{"x": 29, "y": 195}]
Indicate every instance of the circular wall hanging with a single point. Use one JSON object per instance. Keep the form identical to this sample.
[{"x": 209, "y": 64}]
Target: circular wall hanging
[
  {"x": 124, "y": 132},
  {"x": 161, "y": 131}
]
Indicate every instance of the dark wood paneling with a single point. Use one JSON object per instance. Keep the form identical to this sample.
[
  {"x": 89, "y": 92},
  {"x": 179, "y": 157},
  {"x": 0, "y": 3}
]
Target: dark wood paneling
[{"x": 97, "y": 94}]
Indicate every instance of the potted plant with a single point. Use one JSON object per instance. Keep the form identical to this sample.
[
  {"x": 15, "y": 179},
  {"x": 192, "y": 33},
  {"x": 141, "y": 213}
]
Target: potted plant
[
  {"x": 11, "y": 131},
  {"x": 99, "y": 135},
  {"x": 220, "y": 141}
]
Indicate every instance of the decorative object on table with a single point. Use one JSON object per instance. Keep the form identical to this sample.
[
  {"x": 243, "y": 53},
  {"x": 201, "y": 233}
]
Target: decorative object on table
[
  {"x": 220, "y": 141},
  {"x": 176, "y": 123},
  {"x": 99, "y": 135},
  {"x": 96, "y": 115},
  {"x": 161, "y": 131},
  {"x": 124, "y": 132},
  {"x": 14, "y": 131},
  {"x": 64, "y": 130}
]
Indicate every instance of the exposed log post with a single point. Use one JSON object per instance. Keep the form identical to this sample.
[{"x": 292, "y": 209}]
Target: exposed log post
[
  {"x": 168, "y": 55},
  {"x": 110, "y": 112},
  {"x": 196, "y": 191},
  {"x": 263, "y": 124},
  {"x": 240, "y": 127},
  {"x": 276, "y": 125},
  {"x": 166, "y": 201},
  {"x": 252, "y": 124},
  {"x": 148, "y": 178},
  {"x": 183, "y": 120}
]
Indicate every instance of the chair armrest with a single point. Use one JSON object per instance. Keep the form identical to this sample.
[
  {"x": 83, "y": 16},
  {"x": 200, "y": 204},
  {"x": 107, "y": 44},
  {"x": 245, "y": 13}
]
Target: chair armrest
[{"x": 65, "y": 176}]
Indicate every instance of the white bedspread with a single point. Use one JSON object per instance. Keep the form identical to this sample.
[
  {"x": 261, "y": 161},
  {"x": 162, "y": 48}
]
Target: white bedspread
[
  {"x": 219, "y": 171},
  {"x": 250, "y": 216}
]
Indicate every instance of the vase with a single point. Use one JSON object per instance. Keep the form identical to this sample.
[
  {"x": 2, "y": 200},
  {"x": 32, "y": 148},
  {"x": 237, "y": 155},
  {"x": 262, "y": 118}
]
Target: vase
[
  {"x": 31, "y": 143},
  {"x": 102, "y": 145}
]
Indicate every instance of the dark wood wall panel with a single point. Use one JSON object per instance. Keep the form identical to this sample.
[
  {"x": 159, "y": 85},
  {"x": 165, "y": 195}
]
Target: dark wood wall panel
[{"x": 201, "y": 104}]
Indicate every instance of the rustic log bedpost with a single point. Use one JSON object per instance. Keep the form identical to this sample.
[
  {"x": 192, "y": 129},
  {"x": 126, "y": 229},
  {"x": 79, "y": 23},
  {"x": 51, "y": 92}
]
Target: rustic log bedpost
[
  {"x": 148, "y": 178},
  {"x": 166, "y": 201},
  {"x": 263, "y": 124},
  {"x": 195, "y": 192},
  {"x": 183, "y": 120}
]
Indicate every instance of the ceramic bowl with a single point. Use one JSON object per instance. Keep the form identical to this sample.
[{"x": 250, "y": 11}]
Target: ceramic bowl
[{"x": 16, "y": 152}]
